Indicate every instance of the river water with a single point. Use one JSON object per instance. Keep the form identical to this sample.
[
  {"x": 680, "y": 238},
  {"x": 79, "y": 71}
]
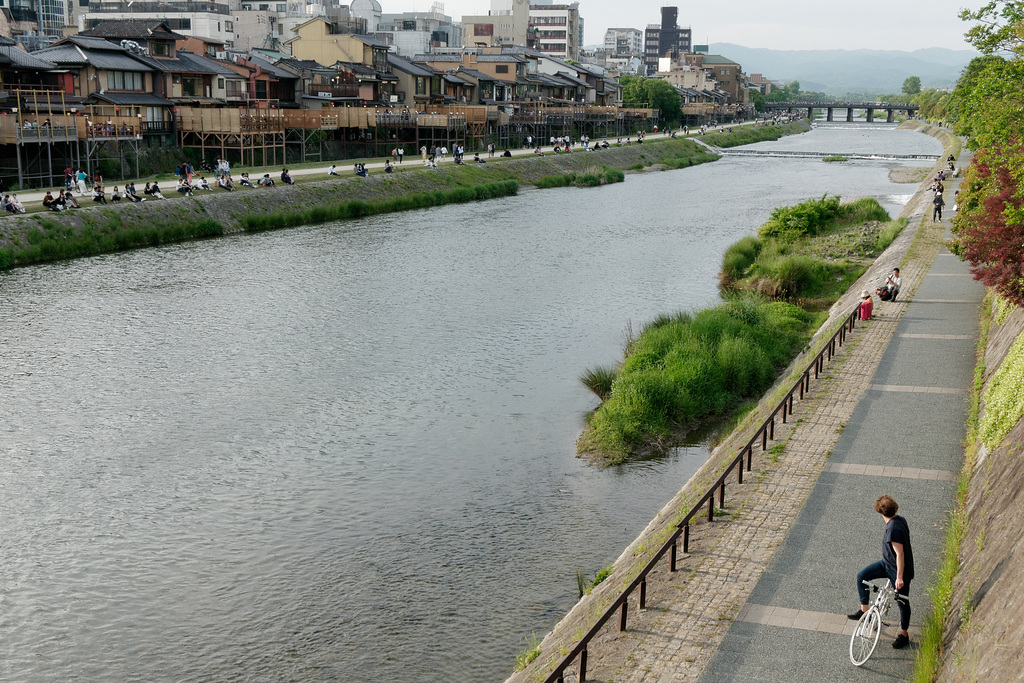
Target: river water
[{"x": 346, "y": 452}]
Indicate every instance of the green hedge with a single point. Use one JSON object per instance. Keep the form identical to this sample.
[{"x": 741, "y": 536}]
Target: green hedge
[
  {"x": 53, "y": 242},
  {"x": 355, "y": 208}
]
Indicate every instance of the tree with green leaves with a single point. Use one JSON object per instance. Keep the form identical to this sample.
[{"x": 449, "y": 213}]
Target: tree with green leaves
[
  {"x": 653, "y": 93},
  {"x": 912, "y": 85},
  {"x": 989, "y": 227}
]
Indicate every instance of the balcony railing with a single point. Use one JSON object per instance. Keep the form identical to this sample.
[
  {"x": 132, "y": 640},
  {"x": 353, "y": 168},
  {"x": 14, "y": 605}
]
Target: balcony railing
[{"x": 334, "y": 90}]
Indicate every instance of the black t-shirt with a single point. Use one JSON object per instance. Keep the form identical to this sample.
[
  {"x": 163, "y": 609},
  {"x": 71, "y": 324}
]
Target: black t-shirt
[{"x": 896, "y": 530}]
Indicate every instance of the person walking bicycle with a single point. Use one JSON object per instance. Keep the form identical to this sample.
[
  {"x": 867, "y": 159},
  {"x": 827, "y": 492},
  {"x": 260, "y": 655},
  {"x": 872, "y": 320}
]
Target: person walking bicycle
[{"x": 897, "y": 564}]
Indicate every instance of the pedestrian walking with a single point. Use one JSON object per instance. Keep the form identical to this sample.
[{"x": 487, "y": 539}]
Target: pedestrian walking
[{"x": 937, "y": 204}]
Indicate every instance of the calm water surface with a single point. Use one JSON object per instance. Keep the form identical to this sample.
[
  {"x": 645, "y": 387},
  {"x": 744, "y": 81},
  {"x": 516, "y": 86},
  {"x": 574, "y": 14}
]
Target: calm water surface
[{"x": 346, "y": 452}]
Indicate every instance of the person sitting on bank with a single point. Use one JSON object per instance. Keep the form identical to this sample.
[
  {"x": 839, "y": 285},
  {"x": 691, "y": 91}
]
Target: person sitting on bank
[
  {"x": 202, "y": 184},
  {"x": 388, "y": 168},
  {"x": 866, "y": 305},
  {"x": 184, "y": 188},
  {"x": 477, "y": 159},
  {"x": 244, "y": 180},
  {"x": 224, "y": 182},
  {"x": 98, "y": 195},
  {"x": 155, "y": 191},
  {"x": 5, "y": 204},
  {"x": 286, "y": 177},
  {"x": 18, "y": 206},
  {"x": 115, "y": 196},
  {"x": 360, "y": 170},
  {"x": 267, "y": 181},
  {"x": 131, "y": 195},
  {"x": 507, "y": 153},
  {"x": 893, "y": 284},
  {"x": 69, "y": 200},
  {"x": 333, "y": 170}
]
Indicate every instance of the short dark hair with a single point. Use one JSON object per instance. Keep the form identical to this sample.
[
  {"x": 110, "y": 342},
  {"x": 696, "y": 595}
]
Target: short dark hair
[
  {"x": 896, "y": 270},
  {"x": 886, "y": 506}
]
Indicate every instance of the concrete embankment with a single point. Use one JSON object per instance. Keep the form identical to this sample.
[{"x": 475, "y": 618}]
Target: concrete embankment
[
  {"x": 689, "y": 611},
  {"x": 95, "y": 229},
  {"x": 983, "y": 621}
]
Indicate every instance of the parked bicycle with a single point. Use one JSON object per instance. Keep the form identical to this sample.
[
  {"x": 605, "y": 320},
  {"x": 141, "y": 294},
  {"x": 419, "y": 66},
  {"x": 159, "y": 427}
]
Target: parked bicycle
[{"x": 869, "y": 628}]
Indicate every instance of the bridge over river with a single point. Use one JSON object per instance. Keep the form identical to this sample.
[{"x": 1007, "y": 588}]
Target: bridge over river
[{"x": 830, "y": 107}]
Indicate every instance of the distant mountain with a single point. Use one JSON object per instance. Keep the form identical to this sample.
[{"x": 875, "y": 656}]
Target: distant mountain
[{"x": 837, "y": 72}]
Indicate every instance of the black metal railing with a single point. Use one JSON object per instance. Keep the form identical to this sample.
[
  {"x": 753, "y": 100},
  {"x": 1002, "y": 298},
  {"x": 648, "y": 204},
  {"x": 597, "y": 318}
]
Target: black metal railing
[{"x": 765, "y": 433}]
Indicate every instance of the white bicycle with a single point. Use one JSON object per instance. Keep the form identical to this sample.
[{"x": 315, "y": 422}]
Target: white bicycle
[{"x": 869, "y": 628}]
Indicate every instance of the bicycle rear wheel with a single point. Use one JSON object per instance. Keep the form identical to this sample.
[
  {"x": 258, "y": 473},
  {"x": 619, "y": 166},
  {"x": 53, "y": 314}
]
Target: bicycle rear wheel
[{"x": 865, "y": 637}]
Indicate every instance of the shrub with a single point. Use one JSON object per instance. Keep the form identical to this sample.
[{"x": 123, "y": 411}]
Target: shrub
[{"x": 803, "y": 220}]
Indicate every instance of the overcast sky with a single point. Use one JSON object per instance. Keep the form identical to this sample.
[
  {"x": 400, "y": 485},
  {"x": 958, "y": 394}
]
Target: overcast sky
[{"x": 778, "y": 24}]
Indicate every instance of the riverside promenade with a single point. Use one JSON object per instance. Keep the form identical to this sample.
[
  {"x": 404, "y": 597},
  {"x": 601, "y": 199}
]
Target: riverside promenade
[{"x": 765, "y": 598}]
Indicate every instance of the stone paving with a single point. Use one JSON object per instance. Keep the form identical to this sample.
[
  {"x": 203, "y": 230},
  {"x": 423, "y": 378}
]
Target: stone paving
[{"x": 724, "y": 614}]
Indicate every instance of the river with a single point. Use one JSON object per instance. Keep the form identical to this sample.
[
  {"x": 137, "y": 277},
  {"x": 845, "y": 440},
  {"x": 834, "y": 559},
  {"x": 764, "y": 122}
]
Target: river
[{"x": 346, "y": 452}]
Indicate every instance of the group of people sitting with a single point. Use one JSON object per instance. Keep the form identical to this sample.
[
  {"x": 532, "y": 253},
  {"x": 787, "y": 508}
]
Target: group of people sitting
[
  {"x": 11, "y": 204},
  {"x": 64, "y": 200}
]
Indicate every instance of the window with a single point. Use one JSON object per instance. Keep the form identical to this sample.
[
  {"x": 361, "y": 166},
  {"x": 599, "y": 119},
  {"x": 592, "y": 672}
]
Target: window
[
  {"x": 421, "y": 85},
  {"x": 191, "y": 86},
  {"x": 160, "y": 49},
  {"x": 264, "y": 7},
  {"x": 261, "y": 90},
  {"x": 220, "y": 83},
  {"x": 229, "y": 26},
  {"x": 124, "y": 80},
  {"x": 179, "y": 24},
  {"x": 501, "y": 68}
]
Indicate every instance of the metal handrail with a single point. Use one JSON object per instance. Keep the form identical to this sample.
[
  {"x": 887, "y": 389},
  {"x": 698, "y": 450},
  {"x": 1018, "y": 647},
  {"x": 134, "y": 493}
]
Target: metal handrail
[{"x": 764, "y": 433}]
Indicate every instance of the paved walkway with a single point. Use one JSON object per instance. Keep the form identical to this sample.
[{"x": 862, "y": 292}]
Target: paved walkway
[{"x": 764, "y": 595}]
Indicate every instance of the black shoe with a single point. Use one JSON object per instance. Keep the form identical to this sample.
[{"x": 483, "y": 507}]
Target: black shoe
[
  {"x": 855, "y": 616},
  {"x": 901, "y": 642}
]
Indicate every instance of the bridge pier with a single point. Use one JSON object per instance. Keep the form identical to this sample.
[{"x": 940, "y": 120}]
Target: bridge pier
[
  {"x": 871, "y": 115},
  {"x": 828, "y": 117},
  {"x": 891, "y": 116},
  {"x": 849, "y": 115}
]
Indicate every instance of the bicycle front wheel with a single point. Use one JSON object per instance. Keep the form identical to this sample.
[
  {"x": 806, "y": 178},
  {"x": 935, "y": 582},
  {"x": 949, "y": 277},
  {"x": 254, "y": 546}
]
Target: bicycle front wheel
[{"x": 865, "y": 637}]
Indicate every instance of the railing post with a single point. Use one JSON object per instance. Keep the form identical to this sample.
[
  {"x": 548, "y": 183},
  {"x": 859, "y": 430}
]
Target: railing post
[
  {"x": 643, "y": 594},
  {"x": 721, "y": 496},
  {"x": 686, "y": 538},
  {"x": 622, "y": 615},
  {"x": 739, "y": 470},
  {"x": 750, "y": 456},
  {"x": 791, "y": 404},
  {"x": 771, "y": 429},
  {"x": 672, "y": 557},
  {"x": 711, "y": 507},
  {"x": 583, "y": 666},
  {"x": 764, "y": 439},
  {"x": 784, "y": 411}
]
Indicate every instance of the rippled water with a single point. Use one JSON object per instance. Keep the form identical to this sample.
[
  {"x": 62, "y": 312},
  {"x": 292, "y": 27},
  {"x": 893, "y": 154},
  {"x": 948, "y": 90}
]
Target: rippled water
[{"x": 346, "y": 452}]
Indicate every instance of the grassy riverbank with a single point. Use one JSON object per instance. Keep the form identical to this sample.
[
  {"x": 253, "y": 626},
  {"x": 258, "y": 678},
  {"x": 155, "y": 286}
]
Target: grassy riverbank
[{"x": 40, "y": 237}]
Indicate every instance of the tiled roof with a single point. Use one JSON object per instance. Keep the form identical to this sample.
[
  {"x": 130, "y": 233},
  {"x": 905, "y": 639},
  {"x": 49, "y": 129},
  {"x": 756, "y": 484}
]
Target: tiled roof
[
  {"x": 269, "y": 67},
  {"x": 438, "y": 58},
  {"x": 132, "y": 99},
  {"x": 15, "y": 56},
  {"x": 500, "y": 58},
  {"x": 405, "y": 66},
  {"x": 128, "y": 28},
  {"x": 102, "y": 54}
]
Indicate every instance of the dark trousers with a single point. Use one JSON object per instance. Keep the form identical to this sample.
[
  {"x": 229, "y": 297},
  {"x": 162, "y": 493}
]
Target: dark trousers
[
  {"x": 877, "y": 570},
  {"x": 937, "y": 212}
]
